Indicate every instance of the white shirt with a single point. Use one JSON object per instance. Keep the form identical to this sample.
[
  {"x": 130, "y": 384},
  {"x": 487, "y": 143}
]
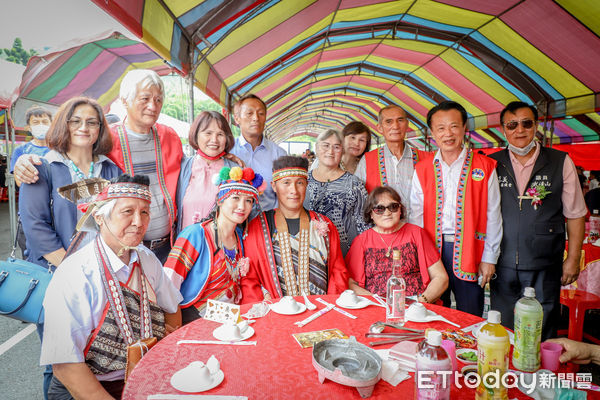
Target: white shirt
[
  {"x": 75, "y": 301},
  {"x": 399, "y": 172},
  {"x": 450, "y": 178}
]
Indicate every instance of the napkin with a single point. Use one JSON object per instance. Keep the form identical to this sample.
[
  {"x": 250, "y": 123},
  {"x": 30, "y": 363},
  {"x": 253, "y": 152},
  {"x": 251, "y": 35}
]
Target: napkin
[{"x": 391, "y": 371}]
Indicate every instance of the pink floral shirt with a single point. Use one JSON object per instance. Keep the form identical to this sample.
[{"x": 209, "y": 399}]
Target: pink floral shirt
[{"x": 201, "y": 192}]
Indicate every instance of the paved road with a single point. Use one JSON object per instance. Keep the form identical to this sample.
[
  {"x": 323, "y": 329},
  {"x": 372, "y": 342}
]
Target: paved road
[{"x": 20, "y": 373}]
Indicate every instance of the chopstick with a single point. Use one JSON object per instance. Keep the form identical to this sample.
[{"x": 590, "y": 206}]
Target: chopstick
[
  {"x": 390, "y": 335},
  {"x": 398, "y": 339}
]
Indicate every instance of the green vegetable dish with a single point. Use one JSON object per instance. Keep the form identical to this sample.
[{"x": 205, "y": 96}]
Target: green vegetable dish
[{"x": 468, "y": 355}]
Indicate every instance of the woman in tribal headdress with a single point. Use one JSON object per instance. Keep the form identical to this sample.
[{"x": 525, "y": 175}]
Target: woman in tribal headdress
[
  {"x": 294, "y": 251},
  {"x": 207, "y": 260}
]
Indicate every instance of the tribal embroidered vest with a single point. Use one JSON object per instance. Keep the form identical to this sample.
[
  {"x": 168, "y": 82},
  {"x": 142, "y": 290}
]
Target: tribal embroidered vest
[
  {"x": 533, "y": 238},
  {"x": 471, "y": 209},
  {"x": 375, "y": 165},
  {"x": 107, "y": 350}
]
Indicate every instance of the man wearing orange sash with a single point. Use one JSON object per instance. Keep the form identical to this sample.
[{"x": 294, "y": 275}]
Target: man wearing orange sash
[
  {"x": 391, "y": 164},
  {"x": 292, "y": 250},
  {"x": 456, "y": 198},
  {"x": 142, "y": 146}
]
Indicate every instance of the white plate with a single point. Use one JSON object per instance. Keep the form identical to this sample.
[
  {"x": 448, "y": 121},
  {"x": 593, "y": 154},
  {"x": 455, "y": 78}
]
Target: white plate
[
  {"x": 186, "y": 384},
  {"x": 276, "y": 308},
  {"x": 362, "y": 303},
  {"x": 245, "y": 335}
]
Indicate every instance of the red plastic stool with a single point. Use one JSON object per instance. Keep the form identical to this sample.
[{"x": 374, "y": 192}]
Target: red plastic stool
[{"x": 579, "y": 302}]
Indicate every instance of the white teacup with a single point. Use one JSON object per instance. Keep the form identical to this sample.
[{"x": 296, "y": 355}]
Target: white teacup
[
  {"x": 199, "y": 372},
  {"x": 243, "y": 325},
  {"x": 416, "y": 311},
  {"x": 349, "y": 297},
  {"x": 289, "y": 304},
  {"x": 231, "y": 331}
]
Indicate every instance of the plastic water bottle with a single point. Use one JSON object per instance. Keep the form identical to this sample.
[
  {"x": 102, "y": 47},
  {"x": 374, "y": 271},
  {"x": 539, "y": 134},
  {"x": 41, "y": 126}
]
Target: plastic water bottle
[
  {"x": 493, "y": 346},
  {"x": 434, "y": 367},
  {"x": 395, "y": 295},
  {"x": 528, "y": 332}
]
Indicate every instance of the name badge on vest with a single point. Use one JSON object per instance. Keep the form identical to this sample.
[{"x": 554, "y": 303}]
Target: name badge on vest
[{"x": 477, "y": 174}]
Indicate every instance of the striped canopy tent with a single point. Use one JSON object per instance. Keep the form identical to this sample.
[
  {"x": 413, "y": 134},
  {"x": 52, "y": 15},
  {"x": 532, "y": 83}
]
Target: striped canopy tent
[
  {"x": 10, "y": 75},
  {"x": 320, "y": 64},
  {"x": 90, "y": 67}
]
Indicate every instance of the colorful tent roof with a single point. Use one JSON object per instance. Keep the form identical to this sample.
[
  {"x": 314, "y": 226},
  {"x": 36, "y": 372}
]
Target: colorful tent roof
[
  {"x": 324, "y": 63},
  {"x": 89, "y": 67}
]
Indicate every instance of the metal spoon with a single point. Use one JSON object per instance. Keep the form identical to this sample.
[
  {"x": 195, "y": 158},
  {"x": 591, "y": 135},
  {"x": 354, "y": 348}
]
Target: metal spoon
[{"x": 308, "y": 304}]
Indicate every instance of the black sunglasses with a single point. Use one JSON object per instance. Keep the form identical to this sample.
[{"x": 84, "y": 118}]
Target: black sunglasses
[
  {"x": 526, "y": 123},
  {"x": 393, "y": 207}
]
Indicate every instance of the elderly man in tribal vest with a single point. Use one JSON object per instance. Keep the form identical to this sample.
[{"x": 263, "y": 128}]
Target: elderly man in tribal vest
[
  {"x": 540, "y": 189},
  {"x": 141, "y": 146},
  {"x": 392, "y": 164},
  {"x": 292, "y": 250},
  {"x": 87, "y": 335},
  {"x": 455, "y": 197}
]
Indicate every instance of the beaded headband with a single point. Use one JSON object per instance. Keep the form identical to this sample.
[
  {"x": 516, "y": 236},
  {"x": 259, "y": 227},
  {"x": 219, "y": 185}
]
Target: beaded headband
[
  {"x": 116, "y": 190},
  {"x": 237, "y": 180},
  {"x": 126, "y": 189},
  {"x": 289, "y": 172}
]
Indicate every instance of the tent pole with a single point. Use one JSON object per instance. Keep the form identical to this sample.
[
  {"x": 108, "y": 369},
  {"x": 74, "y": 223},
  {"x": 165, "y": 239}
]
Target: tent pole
[
  {"x": 10, "y": 180},
  {"x": 191, "y": 95}
]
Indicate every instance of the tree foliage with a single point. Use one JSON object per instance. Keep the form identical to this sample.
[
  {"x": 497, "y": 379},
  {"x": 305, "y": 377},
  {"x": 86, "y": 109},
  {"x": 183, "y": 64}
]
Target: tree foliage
[{"x": 18, "y": 54}]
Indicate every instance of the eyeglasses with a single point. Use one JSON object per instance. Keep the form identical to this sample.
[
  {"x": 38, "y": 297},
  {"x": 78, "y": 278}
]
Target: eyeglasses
[
  {"x": 76, "y": 123},
  {"x": 526, "y": 124},
  {"x": 326, "y": 147},
  {"x": 380, "y": 209}
]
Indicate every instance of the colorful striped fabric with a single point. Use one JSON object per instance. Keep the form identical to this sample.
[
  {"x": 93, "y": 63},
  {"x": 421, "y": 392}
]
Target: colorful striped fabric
[
  {"x": 322, "y": 63},
  {"x": 92, "y": 68}
]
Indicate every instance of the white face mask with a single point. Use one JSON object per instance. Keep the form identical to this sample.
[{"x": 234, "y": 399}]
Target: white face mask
[
  {"x": 39, "y": 131},
  {"x": 522, "y": 151}
]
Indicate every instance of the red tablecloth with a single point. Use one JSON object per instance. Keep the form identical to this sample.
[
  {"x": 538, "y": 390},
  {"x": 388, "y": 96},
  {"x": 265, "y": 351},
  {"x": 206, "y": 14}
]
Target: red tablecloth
[{"x": 277, "y": 367}]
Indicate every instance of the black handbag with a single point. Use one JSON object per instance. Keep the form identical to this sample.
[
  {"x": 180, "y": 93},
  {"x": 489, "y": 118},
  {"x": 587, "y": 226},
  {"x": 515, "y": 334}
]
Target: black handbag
[{"x": 22, "y": 288}]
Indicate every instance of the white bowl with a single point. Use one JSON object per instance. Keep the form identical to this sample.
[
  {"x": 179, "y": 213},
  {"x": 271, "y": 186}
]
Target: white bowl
[
  {"x": 196, "y": 377},
  {"x": 230, "y": 331},
  {"x": 349, "y": 297},
  {"x": 416, "y": 311},
  {"x": 288, "y": 304}
]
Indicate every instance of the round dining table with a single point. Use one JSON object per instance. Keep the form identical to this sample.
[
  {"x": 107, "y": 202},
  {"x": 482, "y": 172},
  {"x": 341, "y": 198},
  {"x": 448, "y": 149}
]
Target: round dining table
[{"x": 277, "y": 367}]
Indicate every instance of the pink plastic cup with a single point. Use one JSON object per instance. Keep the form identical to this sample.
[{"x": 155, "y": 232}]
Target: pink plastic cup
[
  {"x": 550, "y": 354},
  {"x": 450, "y": 348}
]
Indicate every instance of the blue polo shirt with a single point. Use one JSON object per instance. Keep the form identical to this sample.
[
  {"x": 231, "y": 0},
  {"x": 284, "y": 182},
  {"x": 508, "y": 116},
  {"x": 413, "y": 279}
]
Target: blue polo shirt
[
  {"x": 261, "y": 161},
  {"x": 27, "y": 148}
]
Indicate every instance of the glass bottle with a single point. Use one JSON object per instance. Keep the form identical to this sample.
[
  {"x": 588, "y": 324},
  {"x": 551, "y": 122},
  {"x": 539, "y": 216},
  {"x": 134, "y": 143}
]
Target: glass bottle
[{"x": 395, "y": 294}]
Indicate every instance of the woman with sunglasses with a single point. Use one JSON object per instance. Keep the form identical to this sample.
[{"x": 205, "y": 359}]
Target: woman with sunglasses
[
  {"x": 78, "y": 139},
  {"x": 369, "y": 260}
]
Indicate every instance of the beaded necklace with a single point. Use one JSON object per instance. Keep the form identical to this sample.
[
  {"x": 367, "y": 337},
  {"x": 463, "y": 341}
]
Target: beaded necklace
[{"x": 77, "y": 171}]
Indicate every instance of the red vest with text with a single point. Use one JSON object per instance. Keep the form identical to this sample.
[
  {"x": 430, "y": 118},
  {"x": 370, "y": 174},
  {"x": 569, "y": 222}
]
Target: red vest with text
[
  {"x": 471, "y": 210},
  {"x": 375, "y": 163}
]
